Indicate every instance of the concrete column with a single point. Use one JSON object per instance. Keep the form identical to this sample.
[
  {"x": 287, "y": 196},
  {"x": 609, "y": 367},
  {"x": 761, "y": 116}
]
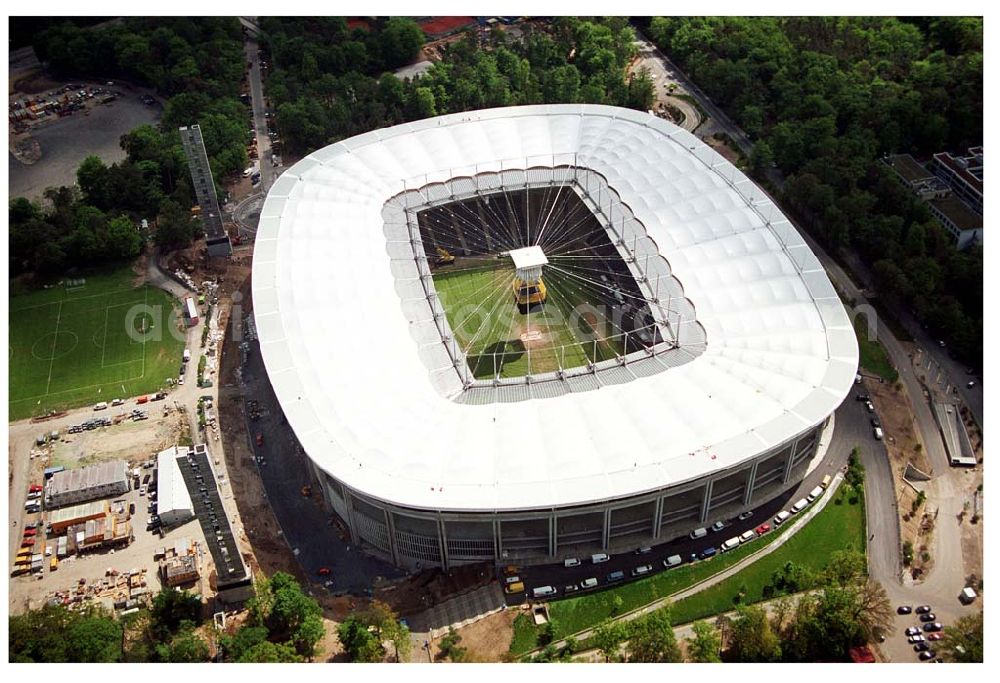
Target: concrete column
[
  {"x": 497, "y": 541},
  {"x": 349, "y": 504},
  {"x": 657, "y": 516},
  {"x": 553, "y": 531},
  {"x": 788, "y": 464},
  {"x": 707, "y": 500},
  {"x": 442, "y": 542},
  {"x": 391, "y": 527},
  {"x": 606, "y": 536},
  {"x": 748, "y": 493}
]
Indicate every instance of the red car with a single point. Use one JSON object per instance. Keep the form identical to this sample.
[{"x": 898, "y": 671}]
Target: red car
[
  {"x": 35, "y": 488},
  {"x": 934, "y": 636},
  {"x": 29, "y": 532},
  {"x": 27, "y": 542},
  {"x": 763, "y": 529},
  {"x": 324, "y": 571}
]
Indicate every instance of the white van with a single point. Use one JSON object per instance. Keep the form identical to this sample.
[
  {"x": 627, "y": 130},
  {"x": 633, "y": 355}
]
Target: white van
[
  {"x": 748, "y": 536},
  {"x": 597, "y": 558},
  {"x": 781, "y": 517},
  {"x": 731, "y": 543},
  {"x": 543, "y": 592},
  {"x": 799, "y": 506},
  {"x": 588, "y": 583},
  {"x": 968, "y": 595},
  {"x": 571, "y": 562},
  {"x": 815, "y": 493},
  {"x": 700, "y": 532},
  {"x": 101, "y": 406},
  {"x": 672, "y": 561},
  {"x": 879, "y": 433},
  {"x": 187, "y": 355}
]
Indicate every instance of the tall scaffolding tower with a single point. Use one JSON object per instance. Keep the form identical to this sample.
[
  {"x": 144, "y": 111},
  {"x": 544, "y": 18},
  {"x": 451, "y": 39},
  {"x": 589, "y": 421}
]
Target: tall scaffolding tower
[{"x": 204, "y": 187}]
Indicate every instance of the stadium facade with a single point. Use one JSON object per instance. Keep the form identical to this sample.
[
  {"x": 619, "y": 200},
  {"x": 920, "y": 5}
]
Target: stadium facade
[{"x": 726, "y": 350}]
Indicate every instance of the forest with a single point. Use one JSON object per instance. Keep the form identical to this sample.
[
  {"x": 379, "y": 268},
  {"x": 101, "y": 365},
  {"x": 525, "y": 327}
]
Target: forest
[
  {"x": 197, "y": 66},
  {"x": 825, "y": 98},
  {"x": 329, "y": 83}
]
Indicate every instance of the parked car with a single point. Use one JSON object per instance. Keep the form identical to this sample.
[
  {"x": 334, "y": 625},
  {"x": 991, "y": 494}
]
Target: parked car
[
  {"x": 876, "y": 422},
  {"x": 746, "y": 515},
  {"x": 511, "y": 579},
  {"x": 763, "y": 529},
  {"x": 912, "y": 630},
  {"x": 707, "y": 553},
  {"x": 928, "y": 654},
  {"x": 919, "y": 638},
  {"x": 920, "y": 647},
  {"x": 904, "y": 609},
  {"x": 642, "y": 570},
  {"x": 718, "y": 526},
  {"x": 869, "y": 406},
  {"x": 928, "y": 616},
  {"x": 644, "y": 550},
  {"x": 933, "y": 627},
  {"x": 923, "y": 608},
  {"x": 935, "y": 636},
  {"x": 571, "y": 588},
  {"x": 615, "y": 577},
  {"x": 571, "y": 562},
  {"x": 323, "y": 571}
]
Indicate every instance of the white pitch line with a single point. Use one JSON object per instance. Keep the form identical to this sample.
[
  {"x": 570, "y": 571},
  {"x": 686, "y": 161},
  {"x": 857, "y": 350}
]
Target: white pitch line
[{"x": 55, "y": 340}]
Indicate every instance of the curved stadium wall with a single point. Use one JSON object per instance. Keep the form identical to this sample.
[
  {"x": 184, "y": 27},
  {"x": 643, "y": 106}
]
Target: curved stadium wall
[{"x": 689, "y": 353}]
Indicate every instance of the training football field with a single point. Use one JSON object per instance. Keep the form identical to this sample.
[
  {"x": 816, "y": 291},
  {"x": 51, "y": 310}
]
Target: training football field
[{"x": 72, "y": 346}]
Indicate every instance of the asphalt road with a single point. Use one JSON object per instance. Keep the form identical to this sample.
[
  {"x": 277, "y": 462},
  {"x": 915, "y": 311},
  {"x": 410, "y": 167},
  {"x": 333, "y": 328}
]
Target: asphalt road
[
  {"x": 259, "y": 120},
  {"x": 651, "y": 59},
  {"x": 305, "y": 525}
]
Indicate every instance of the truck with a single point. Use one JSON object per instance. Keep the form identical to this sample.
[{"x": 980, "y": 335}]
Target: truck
[{"x": 187, "y": 355}]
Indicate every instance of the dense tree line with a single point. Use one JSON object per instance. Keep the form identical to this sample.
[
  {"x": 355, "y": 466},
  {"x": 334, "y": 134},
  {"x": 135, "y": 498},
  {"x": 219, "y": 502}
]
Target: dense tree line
[
  {"x": 198, "y": 65},
  {"x": 364, "y": 634},
  {"x": 845, "y": 609},
  {"x": 329, "y": 83},
  {"x": 825, "y": 98},
  {"x": 284, "y": 625}
]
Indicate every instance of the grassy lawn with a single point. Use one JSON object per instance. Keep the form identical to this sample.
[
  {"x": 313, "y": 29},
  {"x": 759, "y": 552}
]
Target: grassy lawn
[
  {"x": 525, "y": 634},
  {"x": 480, "y": 308},
  {"x": 71, "y": 346},
  {"x": 841, "y": 525},
  {"x": 837, "y": 527},
  {"x": 873, "y": 356}
]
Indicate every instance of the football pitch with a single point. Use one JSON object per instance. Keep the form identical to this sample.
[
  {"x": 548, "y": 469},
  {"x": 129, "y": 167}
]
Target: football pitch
[
  {"x": 72, "y": 346},
  {"x": 499, "y": 340}
]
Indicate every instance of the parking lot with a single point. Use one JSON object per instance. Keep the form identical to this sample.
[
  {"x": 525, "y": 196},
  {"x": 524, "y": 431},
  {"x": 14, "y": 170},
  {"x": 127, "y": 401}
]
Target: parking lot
[{"x": 66, "y": 141}]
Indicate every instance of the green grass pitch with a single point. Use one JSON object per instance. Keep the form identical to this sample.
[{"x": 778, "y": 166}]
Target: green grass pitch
[
  {"x": 71, "y": 347},
  {"x": 480, "y": 308}
]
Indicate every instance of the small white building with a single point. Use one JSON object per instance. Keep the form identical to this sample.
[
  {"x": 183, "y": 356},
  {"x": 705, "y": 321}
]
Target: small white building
[{"x": 173, "y": 503}]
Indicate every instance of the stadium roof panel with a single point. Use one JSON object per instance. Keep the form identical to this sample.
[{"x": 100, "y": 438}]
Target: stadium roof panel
[{"x": 348, "y": 372}]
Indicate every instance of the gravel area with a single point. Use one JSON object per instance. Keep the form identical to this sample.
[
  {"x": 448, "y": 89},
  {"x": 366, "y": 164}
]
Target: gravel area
[{"x": 65, "y": 142}]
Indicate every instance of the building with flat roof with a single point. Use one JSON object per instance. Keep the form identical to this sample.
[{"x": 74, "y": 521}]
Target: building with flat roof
[
  {"x": 60, "y": 520},
  {"x": 964, "y": 174},
  {"x": 103, "y": 480},
  {"x": 964, "y": 224},
  {"x": 916, "y": 177},
  {"x": 173, "y": 502}
]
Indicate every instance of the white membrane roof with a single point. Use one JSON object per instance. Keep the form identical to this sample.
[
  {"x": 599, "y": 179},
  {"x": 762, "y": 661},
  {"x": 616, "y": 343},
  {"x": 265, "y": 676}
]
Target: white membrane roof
[{"x": 781, "y": 354}]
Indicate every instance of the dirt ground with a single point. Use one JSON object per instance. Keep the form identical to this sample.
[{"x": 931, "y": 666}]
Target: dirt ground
[
  {"x": 487, "y": 640},
  {"x": 132, "y": 441}
]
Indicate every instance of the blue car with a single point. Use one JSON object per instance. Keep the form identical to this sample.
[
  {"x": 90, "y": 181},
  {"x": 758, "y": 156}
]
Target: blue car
[
  {"x": 614, "y": 577},
  {"x": 707, "y": 553}
]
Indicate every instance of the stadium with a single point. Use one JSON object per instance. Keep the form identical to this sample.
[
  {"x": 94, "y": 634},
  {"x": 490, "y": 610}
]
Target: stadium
[{"x": 530, "y": 333}]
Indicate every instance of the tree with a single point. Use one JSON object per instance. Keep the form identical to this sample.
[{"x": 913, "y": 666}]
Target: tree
[
  {"x": 186, "y": 647},
  {"x": 293, "y": 616},
  {"x": 651, "y": 639},
  {"x": 359, "y": 642},
  {"x": 752, "y": 639},
  {"x": 608, "y": 638},
  {"x": 449, "y": 646},
  {"x": 92, "y": 177},
  {"x": 705, "y": 643},
  {"x": 56, "y": 634},
  {"x": 963, "y": 641},
  {"x": 268, "y": 652},
  {"x": 124, "y": 240},
  {"x": 174, "y": 226},
  {"x": 400, "y": 41},
  {"x": 171, "y": 609}
]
